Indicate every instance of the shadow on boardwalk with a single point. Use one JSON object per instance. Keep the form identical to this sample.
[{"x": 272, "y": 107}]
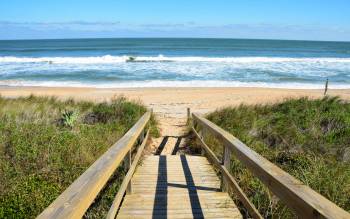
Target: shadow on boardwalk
[{"x": 161, "y": 196}]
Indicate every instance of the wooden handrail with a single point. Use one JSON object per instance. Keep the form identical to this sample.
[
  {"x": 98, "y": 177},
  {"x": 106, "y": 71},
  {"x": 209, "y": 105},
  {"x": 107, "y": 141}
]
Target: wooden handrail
[
  {"x": 77, "y": 198},
  {"x": 126, "y": 181},
  {"x": 254, "y": 213},
  {"x": 302, "y": 199}
]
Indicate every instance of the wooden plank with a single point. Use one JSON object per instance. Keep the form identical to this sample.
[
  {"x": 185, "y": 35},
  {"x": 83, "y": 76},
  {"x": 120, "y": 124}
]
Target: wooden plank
[
  {"x": 176, "y": 164},
  {"x": 306, "y": 202},
  {"x": 140, "y": 201},
  {"x": 126, "y": 181},
  {"x": 176, "y": 169},
  {"x": 182, "y": 216},
  {"x": 170, "y": 191},
  {"x": 176, "y": 183},
  {"x": 179, "y": 215},
  {"x": 176, "y": 172},
  {"x": 188, "y": 116},
  {"x": 176, "y": 205},
  {"x": 176, "y": 157},
  {"x": 169, "y": 188},
  {"x": 204, "y": 194},
  {"x": 203, "y": 197},
  {"x": 173, "y": 177},
  {"x": 77, "y": 198},
  {"x": 214, "y": 211},
  {"x": 152, "y": 179},
  {"x": 231, "y": 182}
]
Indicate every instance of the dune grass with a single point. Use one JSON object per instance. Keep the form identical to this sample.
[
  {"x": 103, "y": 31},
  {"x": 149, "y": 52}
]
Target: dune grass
[
  {"x": 45, "y": 144},
  {"x": 310, "y": 139}
]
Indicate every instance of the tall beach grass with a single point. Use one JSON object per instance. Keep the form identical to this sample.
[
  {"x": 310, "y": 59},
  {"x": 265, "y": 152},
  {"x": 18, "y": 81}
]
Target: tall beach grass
[
  {"x": 45, "y": 144},
  {"x": 308, "y": 138}
]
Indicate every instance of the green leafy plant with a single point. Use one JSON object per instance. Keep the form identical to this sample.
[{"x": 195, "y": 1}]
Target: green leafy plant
[{"x": 69, "y": 117}]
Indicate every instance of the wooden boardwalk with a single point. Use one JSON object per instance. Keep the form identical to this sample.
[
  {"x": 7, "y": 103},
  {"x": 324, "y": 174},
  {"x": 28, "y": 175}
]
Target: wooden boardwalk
[
  {"x": 173, "y": 186},
  {"x": 179, "y": 186}
]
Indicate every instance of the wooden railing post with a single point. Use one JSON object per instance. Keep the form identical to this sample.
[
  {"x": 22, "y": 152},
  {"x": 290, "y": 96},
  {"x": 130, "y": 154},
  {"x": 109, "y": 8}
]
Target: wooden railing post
[
  {"x": 127, "y": 165},
  {"x": 226, "y": 161},
  {"x": 202, "y": 150},
  {"x": 188, "y": 116},
  {"x": 142, "y": 137},
  {"x": 201, "y": 135}
]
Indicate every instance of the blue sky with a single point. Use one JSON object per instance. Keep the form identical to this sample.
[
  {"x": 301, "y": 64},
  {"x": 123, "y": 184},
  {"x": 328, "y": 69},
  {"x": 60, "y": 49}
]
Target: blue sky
[{"x": 278, "y": 19}]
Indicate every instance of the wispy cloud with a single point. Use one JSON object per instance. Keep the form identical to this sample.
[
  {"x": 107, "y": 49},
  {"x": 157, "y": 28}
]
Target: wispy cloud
[
  {"x": 76, "y": 29},
  {"x": 61, "y": 23}
]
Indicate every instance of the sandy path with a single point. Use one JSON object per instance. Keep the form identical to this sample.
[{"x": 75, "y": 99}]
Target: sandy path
[
  {"x": 170, "y": 104},
  {"x": 172, "y": 131}
]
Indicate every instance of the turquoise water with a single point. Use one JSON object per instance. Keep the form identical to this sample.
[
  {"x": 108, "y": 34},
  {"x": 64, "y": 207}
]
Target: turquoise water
[{"x": 174, "y": 62}]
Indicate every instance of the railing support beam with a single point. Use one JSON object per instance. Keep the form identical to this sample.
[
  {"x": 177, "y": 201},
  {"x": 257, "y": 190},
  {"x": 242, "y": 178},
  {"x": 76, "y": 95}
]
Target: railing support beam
[
  {"x": 127, "y": 165},
  {"x": 188, "y": 116},
  {"x": 226, "y": 161}
]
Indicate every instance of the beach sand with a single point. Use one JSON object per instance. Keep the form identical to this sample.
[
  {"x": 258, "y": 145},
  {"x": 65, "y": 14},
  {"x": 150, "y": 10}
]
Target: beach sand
[{"x": 170, "y": 104}]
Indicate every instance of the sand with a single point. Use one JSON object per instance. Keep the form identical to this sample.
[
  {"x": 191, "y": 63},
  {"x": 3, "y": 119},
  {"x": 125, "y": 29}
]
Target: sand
[{"x": 170, "y": 104}]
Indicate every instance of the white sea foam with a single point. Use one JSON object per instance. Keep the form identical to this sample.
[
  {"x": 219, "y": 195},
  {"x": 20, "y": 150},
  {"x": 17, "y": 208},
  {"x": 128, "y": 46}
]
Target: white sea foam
[
  {"x": 108, "y": 59},
  {"x": 161, "y": 84},
  {"x": 163, "y": 71}
]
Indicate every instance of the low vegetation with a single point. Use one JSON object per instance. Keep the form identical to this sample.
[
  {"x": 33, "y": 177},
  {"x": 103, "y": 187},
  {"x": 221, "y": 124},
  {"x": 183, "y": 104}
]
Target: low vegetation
[
  {"x": 45, "y": 144},
  {"x": 310, "y": 139}
]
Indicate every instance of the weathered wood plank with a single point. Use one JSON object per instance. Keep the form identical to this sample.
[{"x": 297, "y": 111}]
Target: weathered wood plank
[
  {"x": 77, "y": 198},
  {"x": 302, "y": 199},
  {"x": 205, "y": 212},
  {"x": 203, "y": 197}
]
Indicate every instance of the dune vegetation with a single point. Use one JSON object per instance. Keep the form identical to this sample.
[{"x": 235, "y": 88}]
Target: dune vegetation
[
  {"x": 45, "y": 144},
  {"x": 308, "y": 138}
]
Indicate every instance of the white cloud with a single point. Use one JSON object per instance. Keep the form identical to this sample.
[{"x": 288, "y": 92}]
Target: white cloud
[{"x": 76, "y": 29}]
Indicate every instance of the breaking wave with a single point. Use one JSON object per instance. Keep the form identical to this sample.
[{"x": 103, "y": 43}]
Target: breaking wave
[{"x": 108, "y": 59}]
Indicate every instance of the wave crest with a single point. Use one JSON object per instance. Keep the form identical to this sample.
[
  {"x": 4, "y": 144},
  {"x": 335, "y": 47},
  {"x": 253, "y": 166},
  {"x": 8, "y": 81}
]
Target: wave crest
[
  {"x": 162, "y": 84},
  {"x": 108, "y": 59}
]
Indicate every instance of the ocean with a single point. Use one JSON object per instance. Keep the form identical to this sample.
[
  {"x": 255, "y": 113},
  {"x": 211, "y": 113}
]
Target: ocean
[{"x": 109, "y": 63}]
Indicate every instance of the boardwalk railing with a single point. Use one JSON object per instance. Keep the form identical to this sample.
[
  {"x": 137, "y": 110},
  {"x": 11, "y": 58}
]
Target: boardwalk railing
[
  {"x": 302, "y": 199},
  {"x": 77, "y": 198}
]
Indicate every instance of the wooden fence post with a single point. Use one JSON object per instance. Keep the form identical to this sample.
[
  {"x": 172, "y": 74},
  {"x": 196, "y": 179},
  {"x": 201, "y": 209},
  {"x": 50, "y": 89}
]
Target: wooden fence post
[
  {"x": 226, "y": 160},
  {"x": 326, "y": 88}
]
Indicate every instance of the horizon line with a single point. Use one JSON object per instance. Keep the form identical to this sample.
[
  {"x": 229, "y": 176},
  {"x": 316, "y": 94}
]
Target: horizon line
[{"x": 218, "y": 38}]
